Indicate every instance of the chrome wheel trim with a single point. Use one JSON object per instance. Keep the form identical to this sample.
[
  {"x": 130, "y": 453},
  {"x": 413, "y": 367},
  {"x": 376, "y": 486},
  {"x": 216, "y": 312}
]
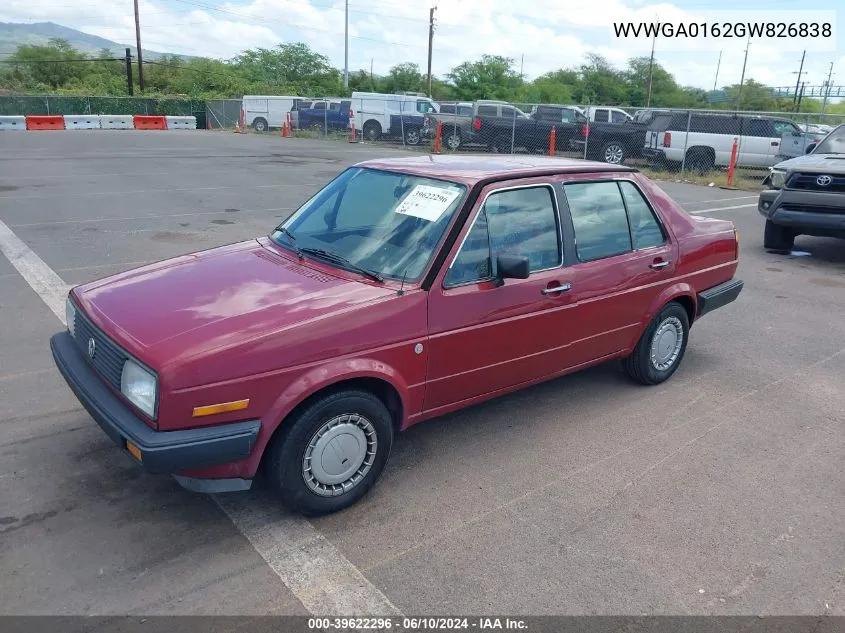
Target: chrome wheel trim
[
  {"x": 339, "y": 455},
  {"x": 453, "y": 141},
  {"x": 613, "y": 154},
  {"x": 666, "y": 343},
  {"x": 412, "y": 137}
]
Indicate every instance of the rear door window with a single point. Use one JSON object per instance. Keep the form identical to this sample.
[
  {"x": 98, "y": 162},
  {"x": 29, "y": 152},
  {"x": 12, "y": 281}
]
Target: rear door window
[
  {"x": 599, "y": 220},
  {"x": 487, "y": 110}
]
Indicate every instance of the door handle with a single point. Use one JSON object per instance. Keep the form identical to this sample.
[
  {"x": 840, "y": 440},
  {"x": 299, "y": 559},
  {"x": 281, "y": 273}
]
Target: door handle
[
  {"x": 775, "y": 143},
  {"x": 556, "y": 289},
  {"x": 659, "y": 265}
]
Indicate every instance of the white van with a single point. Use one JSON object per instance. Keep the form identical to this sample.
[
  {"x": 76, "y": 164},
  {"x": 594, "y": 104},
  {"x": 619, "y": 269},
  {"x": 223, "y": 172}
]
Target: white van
[
  {"x": 606, "y": 114},
  {"x": 264, "y": 112},
  {"x": 397, "y": 115}
]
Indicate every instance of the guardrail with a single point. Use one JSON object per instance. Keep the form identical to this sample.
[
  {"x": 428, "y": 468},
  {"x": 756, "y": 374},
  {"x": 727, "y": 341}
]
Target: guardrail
[{"x": 96, "y": 122}]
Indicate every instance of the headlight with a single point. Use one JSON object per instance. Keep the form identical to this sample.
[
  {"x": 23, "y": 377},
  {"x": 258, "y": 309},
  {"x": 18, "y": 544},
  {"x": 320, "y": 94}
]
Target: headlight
[
  {"x": 139, "y": 386},
  {"x": 777, "y": 179},
  {"x": 70, "y": 316}
]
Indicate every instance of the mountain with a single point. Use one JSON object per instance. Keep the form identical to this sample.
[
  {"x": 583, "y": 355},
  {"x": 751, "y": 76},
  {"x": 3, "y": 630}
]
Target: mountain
[{"x": 14, "y": 34}]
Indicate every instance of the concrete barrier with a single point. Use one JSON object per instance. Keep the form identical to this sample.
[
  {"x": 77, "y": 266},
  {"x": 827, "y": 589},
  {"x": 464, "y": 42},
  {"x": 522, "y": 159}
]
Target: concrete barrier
[
  {"x": 143, "y": 122},
  {"x": 82, "y": 122},
  {"x": 12, "y": 123},
  {"x": 52, "y": 122},
  {"x": 181, "y": 122},
  {"x": 116, "y": 122}
]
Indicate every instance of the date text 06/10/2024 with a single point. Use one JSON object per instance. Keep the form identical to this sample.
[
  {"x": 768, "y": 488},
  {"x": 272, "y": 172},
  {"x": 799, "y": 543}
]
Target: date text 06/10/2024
[{"x": 400, "y": 625}]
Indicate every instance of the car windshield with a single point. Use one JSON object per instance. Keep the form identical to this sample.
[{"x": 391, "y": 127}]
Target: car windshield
[
  {"x": 834, "y": 143},
  {"x": 387, "y": 223}
]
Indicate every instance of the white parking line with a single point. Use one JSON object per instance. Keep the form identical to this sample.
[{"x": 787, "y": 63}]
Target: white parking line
[
  {"x": 739, "y": 206},
  {"x": 714, "y": 200},
  {"x": 315, "y": 571}
]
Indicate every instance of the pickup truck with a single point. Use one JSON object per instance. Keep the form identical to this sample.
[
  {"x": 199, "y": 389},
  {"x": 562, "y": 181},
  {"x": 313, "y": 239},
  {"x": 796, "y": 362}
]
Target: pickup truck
[
  {"x": 509, "y": 131},
  {"x": 323, "y": 116}
]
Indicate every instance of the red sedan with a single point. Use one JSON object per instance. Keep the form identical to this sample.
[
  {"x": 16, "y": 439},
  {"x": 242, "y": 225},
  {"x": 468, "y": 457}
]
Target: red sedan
[{"x": 404, "y": 289}]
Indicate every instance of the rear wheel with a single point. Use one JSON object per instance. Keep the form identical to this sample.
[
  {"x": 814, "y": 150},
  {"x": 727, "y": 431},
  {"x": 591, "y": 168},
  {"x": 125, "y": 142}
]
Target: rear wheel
[
  {"x": 372, "y": 130},
  {"x": 453, "y": 139},
  {"x": 778, "y": 238},
  {"x": 260, "y": 125},
  {"x": 412, "y": 136},
  {"x": 700, "y": 159},
  {"x": 661, "y": 348},
  {"x": 332, "y": 453}
]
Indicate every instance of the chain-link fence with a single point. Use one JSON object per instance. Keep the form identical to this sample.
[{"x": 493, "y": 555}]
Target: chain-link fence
[
  {"x": 70, "y": 105},
  {"x": 223, "y": 114}
]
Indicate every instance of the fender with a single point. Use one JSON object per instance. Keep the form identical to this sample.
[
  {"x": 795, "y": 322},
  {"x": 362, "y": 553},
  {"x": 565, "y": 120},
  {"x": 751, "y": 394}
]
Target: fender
[{"x": 669, "y": 293}]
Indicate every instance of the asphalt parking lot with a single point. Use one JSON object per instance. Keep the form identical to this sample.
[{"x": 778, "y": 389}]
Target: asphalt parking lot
[{"x": 719, "y": 492}]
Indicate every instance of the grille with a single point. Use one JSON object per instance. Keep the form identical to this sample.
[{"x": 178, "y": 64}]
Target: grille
[
  {"x": 812, "y": 208},
  {"x": 108, "y": 357},
  {"x": 808, "y": 181}
]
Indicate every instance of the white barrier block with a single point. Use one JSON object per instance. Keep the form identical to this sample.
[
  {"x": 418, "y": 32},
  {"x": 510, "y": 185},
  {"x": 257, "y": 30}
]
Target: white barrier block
[
  {"x": 181, "y": 122},
  {"x": 82, "y": 122},
  {"x": 13, "y": 123},
  {"x": 117, "y": 122}
]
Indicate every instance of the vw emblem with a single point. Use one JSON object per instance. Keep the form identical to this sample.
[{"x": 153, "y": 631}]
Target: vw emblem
[
  {"x": 824, "y": 181},
  {"x": 92, "y": 348}
]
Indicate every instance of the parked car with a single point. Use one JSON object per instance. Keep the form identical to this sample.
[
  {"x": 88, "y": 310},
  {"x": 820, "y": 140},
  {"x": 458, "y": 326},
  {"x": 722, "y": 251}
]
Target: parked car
[
  {"x": 455, "y": 120},
  {"x": 404, "y": 289},
  {"x": 806, "y": 195},
  {"x": 505, "y": 132},
  {"x": 710, "y": 139},
  {"x": 401, "y": 116},
  {"x": 298, "y": 104},
  {"x": 264, "y": 113},
  {"x": 324, "y": 116},
  {"x": 606, "y": 114}
]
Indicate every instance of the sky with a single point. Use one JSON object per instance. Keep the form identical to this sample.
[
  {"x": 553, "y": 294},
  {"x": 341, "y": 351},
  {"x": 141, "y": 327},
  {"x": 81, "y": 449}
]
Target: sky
[{"x": 540, "y": 36}]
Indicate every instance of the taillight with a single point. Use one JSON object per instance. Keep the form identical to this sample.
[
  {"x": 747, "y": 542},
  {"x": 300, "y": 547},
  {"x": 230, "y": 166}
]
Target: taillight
[
  {"x": 476, "y": 124},
  {"x": 667, "y": 139},
  {"x": 585, "y": 130},
  {"x": 736, "y": 244}
]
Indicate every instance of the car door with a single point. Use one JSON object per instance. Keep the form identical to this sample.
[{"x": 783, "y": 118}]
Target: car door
[
  {"x": 623, "y": 257},
  {"x": 758, "y": 142},
  {"x": 487, "y": 336}
]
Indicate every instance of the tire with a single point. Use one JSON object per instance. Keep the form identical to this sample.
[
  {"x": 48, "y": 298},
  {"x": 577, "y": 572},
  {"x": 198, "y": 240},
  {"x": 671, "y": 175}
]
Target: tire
[
  {"x": 778, "y": 238},
  {"x": 260, "y": 125},
  {"x": 613, "y": 152},
  {"x": 646, "y": 367},
  {"x": 372, "y": 130},
  {"x": 453, "y": 140},
  {"x": 350, "y": 420},
  {"x": 413, "y": 136},
  {"x": 700, "y": 159}
]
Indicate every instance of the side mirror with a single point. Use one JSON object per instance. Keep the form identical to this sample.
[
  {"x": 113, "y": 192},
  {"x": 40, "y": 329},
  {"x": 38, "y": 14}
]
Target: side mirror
[
  {"x": 511, "y": 267},
  {"x": 810, "y": 148}
]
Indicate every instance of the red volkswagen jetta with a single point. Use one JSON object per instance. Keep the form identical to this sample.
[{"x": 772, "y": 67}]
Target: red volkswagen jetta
[{"x": 404, "y": 289}]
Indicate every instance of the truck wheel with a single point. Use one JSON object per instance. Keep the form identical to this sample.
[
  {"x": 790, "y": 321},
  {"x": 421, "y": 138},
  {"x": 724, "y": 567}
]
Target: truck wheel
[
  {"x": 260, "y": 125},
  {"x": 778, "y": 238},
  {"x": 332, "y": 453},
  {"x": 372, "y": 130},
  {"x": 453, "y": 139},
  {"x": 412, "y": 136},
  {"x": 700, "y": 159},
  {"x": 613, "y": 152},
  {"x": 661, "y": 347}
]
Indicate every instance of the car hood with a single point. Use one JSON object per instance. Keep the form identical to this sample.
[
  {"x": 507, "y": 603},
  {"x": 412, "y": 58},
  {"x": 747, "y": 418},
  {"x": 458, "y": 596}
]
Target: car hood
[
  {"x": 216, "y": 298},
  {"x": 821, "y": 163}
]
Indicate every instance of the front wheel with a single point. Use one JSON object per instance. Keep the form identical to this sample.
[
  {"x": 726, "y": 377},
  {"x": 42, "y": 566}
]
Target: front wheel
[
  {"x": 332, "y": 453},
  {"x": 613, "y": 152},
  {"x": 413, "y": 136},
  {"x": 661, "y": 348},
  {"x": 778, "y": 238}
]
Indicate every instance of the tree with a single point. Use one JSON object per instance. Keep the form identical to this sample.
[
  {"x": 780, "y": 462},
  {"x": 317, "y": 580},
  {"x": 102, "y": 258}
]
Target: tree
[
  {"x": 601, "y": 83},
  {"x": 50, "y": 65},
  {"x": 491, "y": 77},
  {"x": 558, "y": 86},
  {"x": 291, "y": 67},
  {"x": 405, "y": 77}
]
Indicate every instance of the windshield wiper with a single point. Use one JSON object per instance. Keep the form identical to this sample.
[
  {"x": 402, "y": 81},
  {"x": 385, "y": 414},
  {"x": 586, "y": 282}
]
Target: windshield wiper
[
  {"x": 340, "y": 259},
  {"x": 291, "y": 238}
]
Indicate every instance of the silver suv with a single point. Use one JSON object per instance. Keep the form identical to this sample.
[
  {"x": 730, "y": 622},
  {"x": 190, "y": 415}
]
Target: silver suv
[{"x": 806, "y": 195}]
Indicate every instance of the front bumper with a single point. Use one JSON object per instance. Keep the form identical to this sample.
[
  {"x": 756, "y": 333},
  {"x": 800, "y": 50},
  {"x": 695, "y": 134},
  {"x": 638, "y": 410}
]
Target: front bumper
[
  {"x": 718, "y": 296},
  {"x": 808, "y": 212},
  {"x": 161, "y": 451}
]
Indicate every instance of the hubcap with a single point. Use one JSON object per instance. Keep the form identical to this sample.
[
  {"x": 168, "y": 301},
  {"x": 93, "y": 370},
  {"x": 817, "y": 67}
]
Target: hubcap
[
  {"x": 613, "y": 154},
  {"x": 453, "y": 142},
  {"x": 339, "y": 455},
  {"x": 666, "y": 343},
  {"x": 412, "y": 138}
]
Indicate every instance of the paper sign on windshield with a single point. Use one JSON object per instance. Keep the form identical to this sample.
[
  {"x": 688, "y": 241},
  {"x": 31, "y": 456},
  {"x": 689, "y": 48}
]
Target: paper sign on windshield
[{"x": 427, "y": 202}]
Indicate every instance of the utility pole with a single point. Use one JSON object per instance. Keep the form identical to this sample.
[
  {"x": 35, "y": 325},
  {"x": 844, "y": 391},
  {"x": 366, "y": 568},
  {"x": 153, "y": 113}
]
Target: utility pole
[
  {"x": 129, "y": 71},
  {"x": 718, "y": 65},
  {"x": 651, "y": 64},
  {"x": 430, "y": 42},
  {"x": 798, "y": 81},
  {"x": 827, "y": 87},
  {"x": 800, "y": 94},
  {"x": 521, "y": 64},
  {"x": 138, "y": 43},
  {"x": 346, "y": 48},
  {"x": 742, "y": 79}
]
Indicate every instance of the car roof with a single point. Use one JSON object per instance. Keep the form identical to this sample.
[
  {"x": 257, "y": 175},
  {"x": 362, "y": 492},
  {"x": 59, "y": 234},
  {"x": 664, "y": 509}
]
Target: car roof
[{"x": 470, "y": 169}]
